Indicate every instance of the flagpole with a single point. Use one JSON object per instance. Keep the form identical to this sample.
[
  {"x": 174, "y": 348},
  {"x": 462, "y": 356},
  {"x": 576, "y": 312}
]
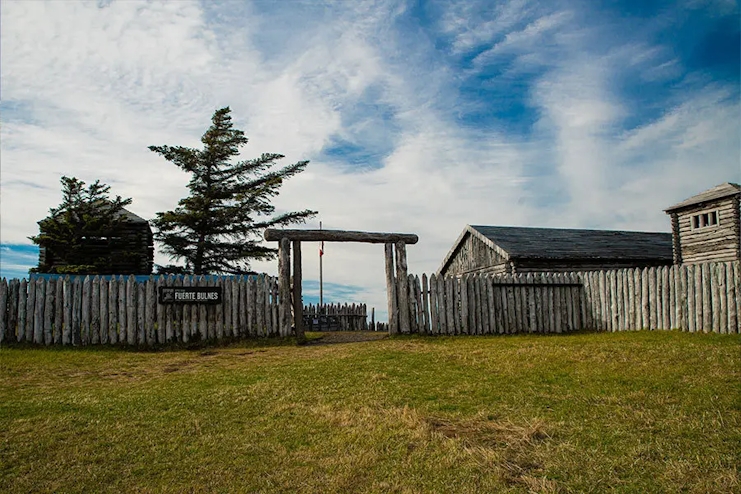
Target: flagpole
[{"x": 321, "y": 280}]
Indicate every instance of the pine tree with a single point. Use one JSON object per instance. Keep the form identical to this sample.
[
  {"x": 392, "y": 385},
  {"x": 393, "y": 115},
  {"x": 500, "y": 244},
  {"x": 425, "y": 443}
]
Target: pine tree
[
  {"x": 74, "y": 232},
  {"x": 218, "y": 227}
]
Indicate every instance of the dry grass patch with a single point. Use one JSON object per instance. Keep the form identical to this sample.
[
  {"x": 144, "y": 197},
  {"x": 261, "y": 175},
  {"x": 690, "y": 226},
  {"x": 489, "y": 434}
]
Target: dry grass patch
[{"x": 638, "y": 412}]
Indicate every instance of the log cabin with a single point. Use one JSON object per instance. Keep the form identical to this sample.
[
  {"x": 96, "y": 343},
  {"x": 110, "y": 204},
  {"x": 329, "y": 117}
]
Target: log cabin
[
  {"x": 130, "y": 248},
  {"x": 513, "y": 250},
  {"x": 707, "y": 227}
]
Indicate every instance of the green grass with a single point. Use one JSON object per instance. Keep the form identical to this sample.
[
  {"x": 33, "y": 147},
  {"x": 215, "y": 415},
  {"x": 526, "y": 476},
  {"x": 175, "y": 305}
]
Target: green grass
[{"x": 624, "y": 412}]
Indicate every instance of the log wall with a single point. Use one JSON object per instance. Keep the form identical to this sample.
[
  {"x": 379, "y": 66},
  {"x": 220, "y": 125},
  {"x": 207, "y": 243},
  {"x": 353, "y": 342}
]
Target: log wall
[
  {"x": 690, "y": 297},
  {"x": 121, "y": 310}
]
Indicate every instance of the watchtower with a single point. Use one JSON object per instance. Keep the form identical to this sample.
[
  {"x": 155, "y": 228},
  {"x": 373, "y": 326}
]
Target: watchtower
[{"x": 707, "y": 227}]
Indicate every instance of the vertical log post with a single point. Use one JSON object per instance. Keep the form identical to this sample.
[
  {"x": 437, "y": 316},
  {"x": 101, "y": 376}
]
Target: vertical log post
[
  {"x": 298, "y": 305},
  {"x": 391, "y": 288},
  {"x": 284, "y": 268},
  {"x": 402, "y": 289}
]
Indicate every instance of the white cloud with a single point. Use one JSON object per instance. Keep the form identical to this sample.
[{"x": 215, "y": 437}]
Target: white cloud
[{"x": 92, "y": 87}]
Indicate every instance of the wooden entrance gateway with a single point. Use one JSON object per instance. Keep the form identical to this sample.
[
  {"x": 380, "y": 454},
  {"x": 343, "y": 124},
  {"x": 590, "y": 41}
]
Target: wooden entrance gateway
[{"x": 396, "y": 283}]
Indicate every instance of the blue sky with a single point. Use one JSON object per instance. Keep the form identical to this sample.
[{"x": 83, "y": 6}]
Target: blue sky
[{"x": 417, "y": 117}]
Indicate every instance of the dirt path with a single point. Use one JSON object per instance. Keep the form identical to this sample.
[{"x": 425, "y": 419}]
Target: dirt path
[{"x": 334, "y": 337}]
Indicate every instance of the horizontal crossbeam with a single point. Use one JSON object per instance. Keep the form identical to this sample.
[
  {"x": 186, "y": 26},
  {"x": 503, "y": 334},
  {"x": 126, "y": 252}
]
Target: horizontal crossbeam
[{"x": 276, "y": 234}]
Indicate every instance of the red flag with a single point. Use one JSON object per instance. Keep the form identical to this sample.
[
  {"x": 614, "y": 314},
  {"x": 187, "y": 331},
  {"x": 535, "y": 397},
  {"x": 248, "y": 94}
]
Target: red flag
[{"x": 321, "y": 250}]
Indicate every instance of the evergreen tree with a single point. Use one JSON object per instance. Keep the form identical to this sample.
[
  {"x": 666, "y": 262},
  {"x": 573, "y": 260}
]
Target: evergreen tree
[
  {"x": 75, "y": 231},
  {"x": 218, "y": 227}
]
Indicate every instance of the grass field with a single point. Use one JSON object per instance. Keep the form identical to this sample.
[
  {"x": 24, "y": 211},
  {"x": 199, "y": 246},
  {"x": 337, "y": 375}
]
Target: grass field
[{"x": 622, "y": 412}]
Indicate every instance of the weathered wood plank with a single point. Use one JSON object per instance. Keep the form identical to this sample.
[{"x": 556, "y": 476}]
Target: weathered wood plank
[
  {"x": 177, "y": 312},
  {"x": 388, "y": 250},
  {"x": 141, "y": 303},
  {"x": 95, "y": 311},
  {"x": 30, "y": 310},
  {"x": 122, "y": 312},
  {"x": 449, "y": 301},
  {"x": 4, "y": 329},
  {"x": 602, "y": 304},
  {"x": 732, "y": 316},
  {"x": 159, "y": 312},
  {"x": 484, "y": 327},
  {"x": 227, "y": 309},
  {"x": 12, "y": 317},
  {"x": 402, "y": 291},
  {"x": 131, "y": 310},
  {"x": 691, "y": 298},
  {"x": 723, "y": 298},
  {"x": 275, "y": 234},
  {"x": 420, "y": 307},
  {"x": 697, "y": 270},
  {"x": 737, "y": 293},
  {"x": 203, "y": 329},
  {"x": 112, "y": 327},
  {"x": 488, "y": 283},
  {"x": 672, "y": 277},
  {"x": 38, "y": 311},
  {"x": 67, "y": 311},
  {"x": 682, "y": 298},
  {"x": 715, "y": 285},
  {"x": 298, "y": 304},
  {"x": 624, "y": 300},
  {"x": 86, "y": 309},
  {"x": 103, "y": 313},
  {"x": 482, "y": 316},
  {"x": 234, "y": 305},
  {"x": 77, "y": 311},
  {"x": 150, "y": 311},
  {"x": 434, "y": 320},
  {"x": 56, "y": 334},
  {"x": 187, "y": 327},
  {"x": 3, "y": 311},
  {"x": 666, "y": 307},
  {"x": 274, "y": 305},
  {"x": 284, "y": 270},
  {"x": 707, "y": 314},
  {"x": 22, "y": 310},
  {"x": 465, "y": 300},
  {"x": 242, "y": 304},
  {"x": 425, "y": 305},
  {"x": 49, "y": 293}
]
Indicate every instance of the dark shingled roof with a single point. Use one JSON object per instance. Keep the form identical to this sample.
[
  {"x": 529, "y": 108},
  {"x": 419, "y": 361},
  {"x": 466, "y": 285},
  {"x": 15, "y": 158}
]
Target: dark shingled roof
[
  {"x": 718, "y": 192},
  {"x": 129, "y": 216},
  {"x": 559, "y": 243}
]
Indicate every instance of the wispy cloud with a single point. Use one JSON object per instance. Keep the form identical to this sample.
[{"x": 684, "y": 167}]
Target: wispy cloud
[{"x": 417, "y": 117}]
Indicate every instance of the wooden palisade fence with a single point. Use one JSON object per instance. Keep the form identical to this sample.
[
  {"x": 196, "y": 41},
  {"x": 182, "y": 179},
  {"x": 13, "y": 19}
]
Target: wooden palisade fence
[
  {"x": 336, "y": 317},
  {"x": 700, "y": 297},
  {"x": 96, "y": 310}
]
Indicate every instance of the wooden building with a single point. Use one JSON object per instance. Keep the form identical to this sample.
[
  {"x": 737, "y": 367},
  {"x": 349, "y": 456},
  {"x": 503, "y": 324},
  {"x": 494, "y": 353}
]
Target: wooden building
[
  {"x": 707, "y": 227},
  {"x": 506, "y": 249},
  {"x": 130, "y": 249}
]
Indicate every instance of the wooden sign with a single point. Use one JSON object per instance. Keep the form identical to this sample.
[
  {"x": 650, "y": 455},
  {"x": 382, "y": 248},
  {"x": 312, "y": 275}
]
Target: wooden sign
[{"x": 190, "y": 295}]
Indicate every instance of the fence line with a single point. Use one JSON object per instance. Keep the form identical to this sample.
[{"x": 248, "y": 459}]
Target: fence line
[
  {"x": 335, "y": 317},
  {"x": 120, "y": 310},
  {"x": 700, "y": 297}
]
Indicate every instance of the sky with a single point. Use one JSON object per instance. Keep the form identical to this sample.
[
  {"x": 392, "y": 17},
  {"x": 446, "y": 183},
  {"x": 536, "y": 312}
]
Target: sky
[{"x": 417, "y": 116}]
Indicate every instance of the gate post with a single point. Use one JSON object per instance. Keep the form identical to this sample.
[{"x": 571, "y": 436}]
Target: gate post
[
  {"x": 402, "y": 287},
  {"x": 284, "y": 286},
  {"x": 391, "y": 288},
  {"x": 298, "y": 304}
]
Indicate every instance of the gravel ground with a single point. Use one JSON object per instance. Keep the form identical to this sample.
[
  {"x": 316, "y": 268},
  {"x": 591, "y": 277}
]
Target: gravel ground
[{"x": 333, "y": 337}]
